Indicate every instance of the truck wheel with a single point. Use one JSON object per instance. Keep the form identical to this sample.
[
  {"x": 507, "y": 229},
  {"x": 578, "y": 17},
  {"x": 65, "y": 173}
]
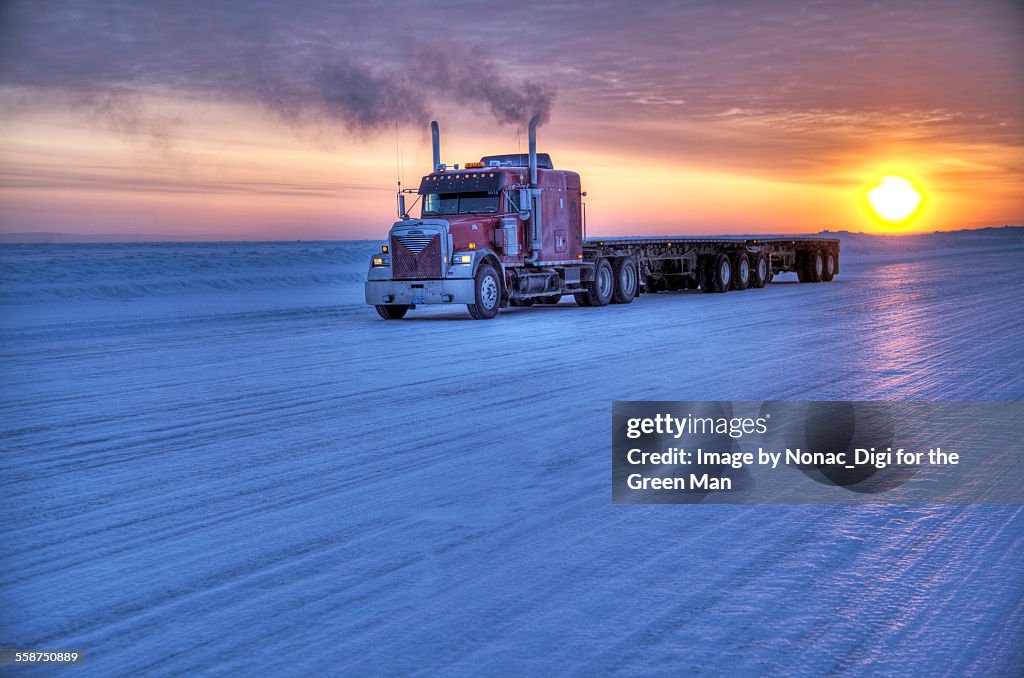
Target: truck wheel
[
  {"x": 801, "y": 267},
  {"x": 582, "y": 299},
  {"x": 759, "y": 272},
  {"x": 717, "y": 274},
  {"x": 814, "y": 266},
  {"x": 392, "y": 312},
  {"x": 829, "y": 271},
  {"x": 626, "y": 279},
  {"x": 741, "y": 271},
  {"x": 601, "y": 288},
  {"x": 707, "y": 264},
  {"x": 487, "y": 294}
]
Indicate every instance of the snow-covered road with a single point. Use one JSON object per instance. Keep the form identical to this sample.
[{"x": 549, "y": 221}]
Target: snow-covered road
[{"x": 216, "y": 459}]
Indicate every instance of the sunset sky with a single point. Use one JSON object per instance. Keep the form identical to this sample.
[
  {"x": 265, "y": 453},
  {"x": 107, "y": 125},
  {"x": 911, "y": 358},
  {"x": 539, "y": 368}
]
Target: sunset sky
[{"x": 271, "y": 120}]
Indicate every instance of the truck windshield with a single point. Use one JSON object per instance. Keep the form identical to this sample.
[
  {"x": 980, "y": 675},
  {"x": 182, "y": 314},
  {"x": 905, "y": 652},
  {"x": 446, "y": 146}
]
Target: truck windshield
[{"x": 435, "y": 204}]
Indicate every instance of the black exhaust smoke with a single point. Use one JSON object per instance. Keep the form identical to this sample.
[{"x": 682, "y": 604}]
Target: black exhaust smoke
[{"x": 239, "y": 53}]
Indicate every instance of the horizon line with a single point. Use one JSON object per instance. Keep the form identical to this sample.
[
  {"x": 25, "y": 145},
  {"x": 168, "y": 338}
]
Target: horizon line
[{"x": 61, "y": 238}]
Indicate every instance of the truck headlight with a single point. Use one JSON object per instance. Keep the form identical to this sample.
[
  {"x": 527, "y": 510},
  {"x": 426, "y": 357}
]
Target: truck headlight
[
  {"x": 462, "y": 259},
  {"x": 381, "y": 260}
]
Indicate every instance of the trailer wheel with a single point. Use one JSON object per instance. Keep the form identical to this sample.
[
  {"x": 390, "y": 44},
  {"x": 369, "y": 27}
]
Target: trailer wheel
[
  {"x": 741, "y": 271},
  {"x": 717, "y": 274},
  {"x": 487, "y": 294},
  {"x": 626, "y": 279},
  {"x": 392, "y": 311},
  {"x": 801, "y": 267},
  {"x": 707, "y": 265},
  {"x": 814, "y": 266},
  {"x": 759, "y": 272},
  {"x": 600, "y": 289},
  {"x": 829, "y": 271}
]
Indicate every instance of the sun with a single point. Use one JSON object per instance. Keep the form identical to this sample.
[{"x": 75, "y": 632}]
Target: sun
[{"x": 894, "y": 199}]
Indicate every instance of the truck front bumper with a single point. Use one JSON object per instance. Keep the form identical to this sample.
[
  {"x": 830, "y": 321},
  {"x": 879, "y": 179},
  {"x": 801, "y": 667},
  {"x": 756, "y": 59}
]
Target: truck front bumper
[{"x": 410, "y": 292}]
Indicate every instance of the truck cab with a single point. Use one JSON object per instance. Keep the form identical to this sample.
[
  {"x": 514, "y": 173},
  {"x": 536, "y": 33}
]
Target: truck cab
[{"x": 488, "y": 235}]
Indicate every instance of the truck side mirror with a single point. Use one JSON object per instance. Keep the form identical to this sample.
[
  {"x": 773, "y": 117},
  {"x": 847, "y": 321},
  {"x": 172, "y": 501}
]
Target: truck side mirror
[{"x": 401, "y": 207}]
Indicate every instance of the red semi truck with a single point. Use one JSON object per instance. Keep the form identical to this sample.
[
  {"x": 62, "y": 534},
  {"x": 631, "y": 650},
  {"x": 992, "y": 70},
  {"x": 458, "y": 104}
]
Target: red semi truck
[{"x": 509, "y": 230}]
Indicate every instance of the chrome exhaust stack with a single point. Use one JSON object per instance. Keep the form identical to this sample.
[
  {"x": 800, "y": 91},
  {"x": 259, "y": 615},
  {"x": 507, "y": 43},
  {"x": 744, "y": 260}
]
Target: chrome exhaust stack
[
  {"x": 435, "y": 137},
  {"x": 536, "y": 220},
  {"x": 533, "y": 150}
]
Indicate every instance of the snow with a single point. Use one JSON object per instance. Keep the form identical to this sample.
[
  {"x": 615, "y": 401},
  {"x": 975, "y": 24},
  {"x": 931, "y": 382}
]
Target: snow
[{"x": 217, "y": 459}]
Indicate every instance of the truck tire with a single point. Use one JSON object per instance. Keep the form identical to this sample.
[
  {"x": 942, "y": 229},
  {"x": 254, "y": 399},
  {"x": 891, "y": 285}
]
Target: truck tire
[
  {"x": 741, "y": 271},
  {"x": 626, "y": 280},
  {"x": 717, "y": 273},
  {"x": 814, "y": 265},
  {"x": 487, "y": 292},
  {"x": 829, "y": 270},
  {"x": 759, "y": 271},
  {"x": 704, "y": 274},
  {"x": 600, "y": 289},
  {"x": 392, "y": 311},
  {"x": 801, "y": 266}
]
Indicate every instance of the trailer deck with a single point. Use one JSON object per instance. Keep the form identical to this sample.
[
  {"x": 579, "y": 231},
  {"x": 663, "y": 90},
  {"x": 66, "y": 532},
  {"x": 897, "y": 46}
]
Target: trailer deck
[{"x": 719, "y": 264}]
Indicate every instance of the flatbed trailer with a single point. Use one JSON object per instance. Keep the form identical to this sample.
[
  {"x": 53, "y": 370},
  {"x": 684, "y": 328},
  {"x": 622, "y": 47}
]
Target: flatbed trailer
[{"x": 688, "y": 262}]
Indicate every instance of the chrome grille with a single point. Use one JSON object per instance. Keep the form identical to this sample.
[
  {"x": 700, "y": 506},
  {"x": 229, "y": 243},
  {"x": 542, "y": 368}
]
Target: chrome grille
[
  {"x": 415, "y": 241},
  {"x": 422, "y": 263}
]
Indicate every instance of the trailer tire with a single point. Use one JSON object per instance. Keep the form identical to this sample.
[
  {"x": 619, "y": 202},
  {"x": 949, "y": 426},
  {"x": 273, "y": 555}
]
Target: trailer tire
[
  {"x": 717, "y": 273},
  {"x": 704, "y": 274},
  {"x": 814, "y": 265},
  {"x": 602, "y": 287},
  {"x": 829, "y": 270},
  {"x": 759, "y": 272},
  {"x": 391, "y": 311},
  {"x": 741, "y": 271},
  {"x": 487, "y": 292},
  {"x": 626, "y": 280},
  {"x": 801, "y": 266}
]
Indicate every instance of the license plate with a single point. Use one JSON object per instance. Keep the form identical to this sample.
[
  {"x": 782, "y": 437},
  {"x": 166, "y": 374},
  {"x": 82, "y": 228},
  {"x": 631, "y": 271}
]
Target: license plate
[{"x": 418, "y": 300}]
